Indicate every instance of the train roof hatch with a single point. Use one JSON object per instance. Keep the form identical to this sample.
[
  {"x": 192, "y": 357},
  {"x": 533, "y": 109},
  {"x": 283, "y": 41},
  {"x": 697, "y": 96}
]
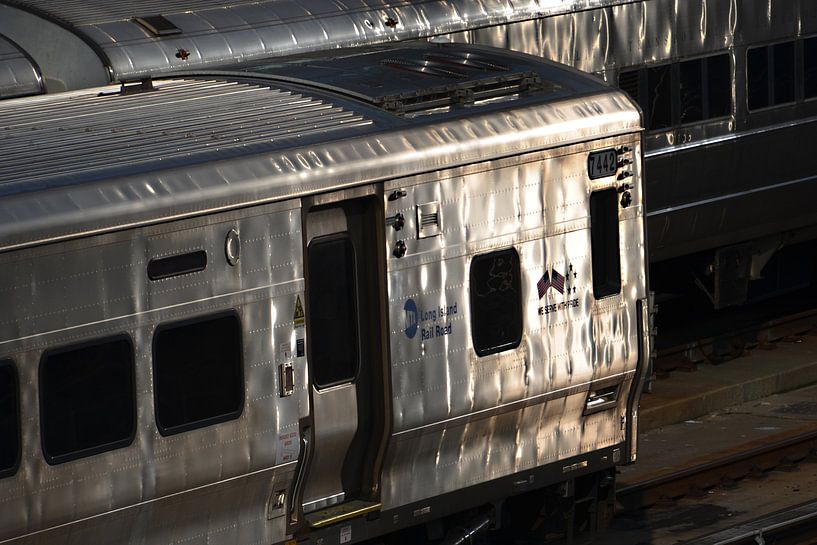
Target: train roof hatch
[{"x": 423, "y": 78}]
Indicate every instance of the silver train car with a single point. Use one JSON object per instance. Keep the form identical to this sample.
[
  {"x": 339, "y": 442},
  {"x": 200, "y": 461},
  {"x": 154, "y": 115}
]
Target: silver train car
[
  {"x": 240, "y": 308},
  {"x": 728, "y": 89},
  {"x": 722, "y": 82}
]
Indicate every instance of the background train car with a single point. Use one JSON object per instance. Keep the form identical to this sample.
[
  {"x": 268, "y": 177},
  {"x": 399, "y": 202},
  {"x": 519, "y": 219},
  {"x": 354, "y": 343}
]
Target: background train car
[
  {"x": 723, "y": 84},
  {"x": 239, "y": 308},
  {"x": 19, "y": 74},
  {"x": 728, "y": 90}
]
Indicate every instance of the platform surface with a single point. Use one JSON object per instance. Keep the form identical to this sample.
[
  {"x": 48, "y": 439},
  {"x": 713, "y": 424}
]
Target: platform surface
[{"x": 787, "y": 365}]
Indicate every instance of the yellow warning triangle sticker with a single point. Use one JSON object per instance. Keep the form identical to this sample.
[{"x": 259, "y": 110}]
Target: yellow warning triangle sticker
[{"x": 298, "y": 318}]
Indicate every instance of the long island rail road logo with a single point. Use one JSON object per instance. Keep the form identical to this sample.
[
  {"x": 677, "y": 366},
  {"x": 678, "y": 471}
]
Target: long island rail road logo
[
  {"x": 562, "y": 284},
  {"x": 432, "y": 323}
]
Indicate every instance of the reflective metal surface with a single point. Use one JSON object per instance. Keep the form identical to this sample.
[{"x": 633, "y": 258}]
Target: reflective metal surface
[
  {"x": 461, "y": 419},
  {"x": 153, "y": 489},
  {"x": 75, "y": 245},
  {"x": 704, "y": 192},
  {"x": 113, "y": 197},
  {"x": 215, "y": 33},
  {"x": 174, "y": 123},
  {"x": 19, "y": 75}
]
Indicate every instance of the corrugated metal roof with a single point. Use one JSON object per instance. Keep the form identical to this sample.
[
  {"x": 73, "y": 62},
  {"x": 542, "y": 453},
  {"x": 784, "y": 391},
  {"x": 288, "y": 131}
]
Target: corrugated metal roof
[
  {"x": 90, "y": 206},
  {"x": 18, "y": 75},
  {"x": 67, "y": 135}
]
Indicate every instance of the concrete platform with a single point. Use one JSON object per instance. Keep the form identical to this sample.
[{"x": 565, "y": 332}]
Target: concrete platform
[
  {"x": 722, "y": 433},
  {"x": 684, "y": 395}
]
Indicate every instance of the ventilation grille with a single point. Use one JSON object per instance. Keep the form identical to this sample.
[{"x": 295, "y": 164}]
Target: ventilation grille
[
  {"x": 443, "y": 97},
  {"x": 428, "y": 220}
]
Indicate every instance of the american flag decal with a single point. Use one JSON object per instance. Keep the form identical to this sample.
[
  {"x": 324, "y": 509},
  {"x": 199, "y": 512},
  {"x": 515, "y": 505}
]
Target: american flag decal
[
  {"x": 550, "y": 279},
  {"x": 557, "y": 281},
  {"x": 542, "y": 285}
]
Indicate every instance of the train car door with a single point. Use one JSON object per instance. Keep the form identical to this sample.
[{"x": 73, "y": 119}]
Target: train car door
[{"x": 345, "y": 436}]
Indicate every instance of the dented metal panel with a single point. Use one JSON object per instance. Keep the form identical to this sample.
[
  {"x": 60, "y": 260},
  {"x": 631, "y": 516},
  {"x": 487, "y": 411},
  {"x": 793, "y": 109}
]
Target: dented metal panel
[
  {"x": 238, "y": 177},
  {"x": 88, "y": 289},
  {"x": 19, "y": 75},
  {"x": 461, "y": 419},
  {"x": 76, "y": 244}
]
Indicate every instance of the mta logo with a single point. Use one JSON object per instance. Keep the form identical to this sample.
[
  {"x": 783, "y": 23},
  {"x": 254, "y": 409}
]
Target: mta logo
[{"x": 412, "y": 318}]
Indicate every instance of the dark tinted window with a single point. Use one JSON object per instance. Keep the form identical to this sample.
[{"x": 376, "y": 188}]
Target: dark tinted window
[
  {"x": 691, "y": 90},
  {"x": 629, "y": 83},
  {"x": 783, "y": 72},
  {"x": 87, "y": 399},
  {"x": 810, "y": 67},
  {"x": 719, "y": 84},
  {"x": 704, "y": 91},
  {"x": 9, "y": 419},
  {"x": 658, "y": 107},
  {"x": 197, "y": 371},
  {"x": 757, "y": 75},
  {"x": 496, "y": 302},
  {"x": 332, "y": 292},
  {"x": 605, "y": 243}
]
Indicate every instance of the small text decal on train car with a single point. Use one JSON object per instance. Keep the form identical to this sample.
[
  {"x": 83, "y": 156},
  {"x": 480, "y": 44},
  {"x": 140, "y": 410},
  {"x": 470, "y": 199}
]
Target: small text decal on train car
[
  {"x": 432, "y": 323},
  {"x": 560, "y": 283}
]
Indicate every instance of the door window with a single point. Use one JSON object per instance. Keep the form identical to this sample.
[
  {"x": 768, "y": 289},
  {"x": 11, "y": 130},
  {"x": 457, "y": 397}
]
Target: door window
[{"x": 332, "y": 293}]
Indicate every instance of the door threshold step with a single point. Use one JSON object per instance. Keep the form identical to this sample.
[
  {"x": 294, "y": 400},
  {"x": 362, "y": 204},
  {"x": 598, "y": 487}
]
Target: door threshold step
[{"x": 341, "y": 512}]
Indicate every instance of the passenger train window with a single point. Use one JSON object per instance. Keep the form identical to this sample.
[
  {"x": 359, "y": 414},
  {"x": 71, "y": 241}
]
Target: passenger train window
[
  {"x": 604, "y": 243},
  {"x": 770, "y": 78},
  {"x": 691, "y": 88},
  {"x": 810, "y": 67},
  {"x": 87, "y": 399},
  {"x": 705, "y": 88},
  {"x": 198, "y": 373},
  {"x": 783, "y": 73},
  {"x": 496, "y": 302},
  {"x": 757, "y": 77},
  {"x": 9, "y": 419},
  {"x": 628, "y": 81},
  {"x": 332, "y": 294},
  {"x": 719, "y": 86},
  {"x": 704, "y": 91},
  {"x": 658, "y": 106}
]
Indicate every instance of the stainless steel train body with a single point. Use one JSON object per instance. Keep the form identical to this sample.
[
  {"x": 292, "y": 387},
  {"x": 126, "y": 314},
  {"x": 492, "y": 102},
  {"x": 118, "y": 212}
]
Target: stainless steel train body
[
  {"x": 238, "y": 309},
  {"x": 728, "y": 89},
  {"x": 685, "y": 62}
]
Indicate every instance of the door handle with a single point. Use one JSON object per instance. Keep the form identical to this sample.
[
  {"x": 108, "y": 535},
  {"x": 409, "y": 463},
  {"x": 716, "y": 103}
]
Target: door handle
[{"x": 297, "y": 487}]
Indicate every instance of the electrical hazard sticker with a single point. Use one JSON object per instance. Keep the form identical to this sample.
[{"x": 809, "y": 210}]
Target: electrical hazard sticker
[{"x": 298, "y": 317}]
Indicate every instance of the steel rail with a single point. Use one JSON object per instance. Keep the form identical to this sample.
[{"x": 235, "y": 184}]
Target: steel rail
[
  {"x": 724, "y": 467},
  {"x": 795, "y": 525}
]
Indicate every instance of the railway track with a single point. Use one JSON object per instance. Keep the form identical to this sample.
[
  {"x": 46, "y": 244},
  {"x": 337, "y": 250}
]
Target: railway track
[
  {"x": 793, "y": 526},
  {"x": 725, "y": 468}
]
